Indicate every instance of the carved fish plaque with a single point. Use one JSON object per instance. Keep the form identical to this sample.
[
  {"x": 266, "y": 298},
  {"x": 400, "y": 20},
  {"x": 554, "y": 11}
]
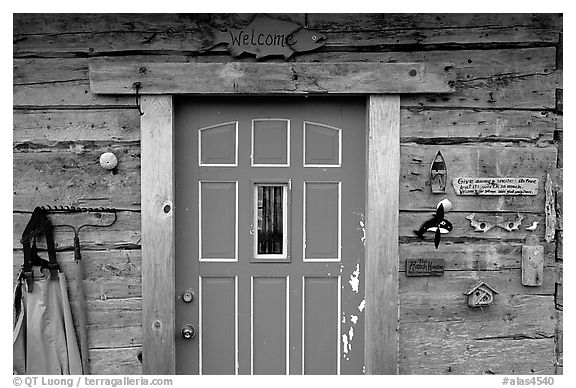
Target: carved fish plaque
[{"x": 264, "y": 37}]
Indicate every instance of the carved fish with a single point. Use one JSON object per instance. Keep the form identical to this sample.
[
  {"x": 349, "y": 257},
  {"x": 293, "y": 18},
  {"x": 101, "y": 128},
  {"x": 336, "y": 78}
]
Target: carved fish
[
  {"x": 512, "y": 225},
  {"x": 479, "y": 226},
  {"x": 264, "y": 37}
]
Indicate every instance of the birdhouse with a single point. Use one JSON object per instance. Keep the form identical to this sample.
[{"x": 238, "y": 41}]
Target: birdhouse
[{"x": 480, "y": 295}]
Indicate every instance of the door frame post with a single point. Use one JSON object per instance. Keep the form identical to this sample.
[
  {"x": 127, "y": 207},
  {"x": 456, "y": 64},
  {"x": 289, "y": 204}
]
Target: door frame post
[
  {"x": 381, "y": 253},
  {"x": 382, "y": 83},
  {"x": 158, "y": 238}
]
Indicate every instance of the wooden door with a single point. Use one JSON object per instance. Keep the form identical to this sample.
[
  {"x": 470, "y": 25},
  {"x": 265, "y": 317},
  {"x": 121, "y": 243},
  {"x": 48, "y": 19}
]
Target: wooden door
[{"x": 269, "y": 203}]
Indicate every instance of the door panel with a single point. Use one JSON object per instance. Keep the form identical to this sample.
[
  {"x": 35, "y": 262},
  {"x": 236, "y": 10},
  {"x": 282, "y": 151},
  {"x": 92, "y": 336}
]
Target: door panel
[
  {"x": 321, "y": 325},
  {"x": 218, "y": 325},
  {"x": 269, "y": 235},
  {"x": 218, "y": 226},
  {"x": 270, "y": 325}
]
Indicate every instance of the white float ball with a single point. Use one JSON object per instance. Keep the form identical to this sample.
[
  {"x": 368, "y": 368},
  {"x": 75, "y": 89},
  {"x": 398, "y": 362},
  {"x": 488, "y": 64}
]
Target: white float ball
[{"x": 108, "y": 160}]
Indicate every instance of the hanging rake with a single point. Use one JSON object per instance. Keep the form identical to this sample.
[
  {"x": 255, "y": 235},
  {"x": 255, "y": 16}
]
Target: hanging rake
[{"x": 98, "y": 217}]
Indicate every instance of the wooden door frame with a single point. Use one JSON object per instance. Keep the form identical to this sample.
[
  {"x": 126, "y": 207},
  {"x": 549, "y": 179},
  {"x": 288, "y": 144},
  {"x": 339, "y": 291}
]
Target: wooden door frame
[{"x": 382, "y": 83}]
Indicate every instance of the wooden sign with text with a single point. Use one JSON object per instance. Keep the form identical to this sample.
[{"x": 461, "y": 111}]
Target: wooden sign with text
[
  {"x": 424, "y": 267},
  {"x": 264, "y": 37},
  {"x": 495, "y": 186}
]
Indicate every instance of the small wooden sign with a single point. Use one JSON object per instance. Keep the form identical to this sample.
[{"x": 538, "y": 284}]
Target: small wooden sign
[
  {"x": 495, "y": 186},
  {"x": 424, "y": 267},
  {"x": 264, "y": 37}
]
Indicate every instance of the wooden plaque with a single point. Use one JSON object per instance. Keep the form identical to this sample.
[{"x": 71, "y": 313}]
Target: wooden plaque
[
  {"x": 495, "y": 186},
  {"x": 424, "y": 267}
]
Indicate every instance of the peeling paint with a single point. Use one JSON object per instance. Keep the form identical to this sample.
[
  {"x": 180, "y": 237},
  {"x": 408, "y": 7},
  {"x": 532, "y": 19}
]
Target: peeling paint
[
  {"x": 354, "y": 278},
  {"x": 350, "y": 335},
  {"x": 354, "y": 319},
  {"x": 362, "y": 305},
  {"x": 343, "y": 318},
  {"x": 345, "y": 343},
  {"x": 362, "y": 227}
]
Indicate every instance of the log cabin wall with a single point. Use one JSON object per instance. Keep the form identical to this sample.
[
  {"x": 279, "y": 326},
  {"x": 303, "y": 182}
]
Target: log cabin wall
[{"x": 505, "y": 119}]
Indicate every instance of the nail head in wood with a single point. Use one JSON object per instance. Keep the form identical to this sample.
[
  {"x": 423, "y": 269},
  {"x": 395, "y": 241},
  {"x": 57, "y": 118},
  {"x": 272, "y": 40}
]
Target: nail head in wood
[
  {"x": 412, "y": 72},
  {"x": 167, "y": 208}
]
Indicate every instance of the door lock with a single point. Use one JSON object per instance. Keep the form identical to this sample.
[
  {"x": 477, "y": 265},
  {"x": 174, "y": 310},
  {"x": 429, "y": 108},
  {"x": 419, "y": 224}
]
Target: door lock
[
  {"x": 188, "y": 296},
  {"x": 188, "y": 332}
]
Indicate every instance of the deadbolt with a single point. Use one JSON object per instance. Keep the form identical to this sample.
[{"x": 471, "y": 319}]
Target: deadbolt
[
  {"x": 188, "y": 296},
  {"x": 188, "y": 331}
]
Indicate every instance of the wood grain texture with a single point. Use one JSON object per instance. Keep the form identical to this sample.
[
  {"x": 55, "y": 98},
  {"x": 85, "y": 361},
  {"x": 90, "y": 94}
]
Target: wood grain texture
[
  {"x": 70, "y": 174},
  {"x": 108, "y": 274},
  {"x": 74, "y": 165},
  {"x": 126, "y": 232},
  {"x": 92, "y": 34},
  {"x": 158, "y": 249},
  {"x": 383, "y": 163},
  {"x": 506, "y": 75},
  {"x": 527, "y": 75},
  {"x": 430, "y": 350},
  {"x": 272, "y": 78},
  {"x": 476, "y": 256},
  {"x": 115, "y": 361},
  {"x": 56, "y": 127},
  {"x": 559, "y": 338},
  {"x": 420, "y": 125},
  {"x": 558, "y": 190},
  {"x": 532, "y": 265},
  {"x": 474, "y": 161}
]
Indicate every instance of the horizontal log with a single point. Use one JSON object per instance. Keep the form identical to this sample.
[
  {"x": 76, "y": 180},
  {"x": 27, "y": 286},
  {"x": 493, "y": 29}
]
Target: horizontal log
[
  {"x": 474, "y": 161},
  {"x": 112, "y": 274},
  {"x": 49, "y": 23},
  {"x": 71, "y": 175},
  {"x": 63, "y": 81},
  {"x": 65, "y": 94},
  {"x": 125, "y": 233},
  {"x": 96, "y": 35},
  {"x": 114, "y": 322},
  {"x": 510, "y": 315},
  {"x": 115, "y": 361},
  {"x": 424, "y": 299},
  {"x": 273, "y": 78},
  {"x": 42, "y": 173},
  {"x": 420, "y": 125},
  {"x": 496, "y": 256},
  {"x": 51, "y": 127},
  {"x": 524, "y": 92},
  {"x": 469, "y": 65},
  {"x": 437, "y": 126},
  {"x": 430, "y": 350},
  {"x": 446, "y": 21}
]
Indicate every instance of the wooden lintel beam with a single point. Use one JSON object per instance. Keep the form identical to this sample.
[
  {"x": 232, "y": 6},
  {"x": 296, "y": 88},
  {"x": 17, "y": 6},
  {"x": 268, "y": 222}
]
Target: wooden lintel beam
[{"x": 273, "y": 78}]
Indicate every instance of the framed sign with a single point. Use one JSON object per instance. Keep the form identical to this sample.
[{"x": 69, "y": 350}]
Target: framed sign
[
  {"x": 495, "y": 186},
  {"x": 424, "y": 267}
]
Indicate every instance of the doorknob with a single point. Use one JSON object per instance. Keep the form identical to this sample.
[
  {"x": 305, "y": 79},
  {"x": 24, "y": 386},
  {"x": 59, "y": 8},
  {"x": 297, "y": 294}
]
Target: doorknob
[
  {"x": 188, "y": 331},
  {"x": 188, "y": 296}
]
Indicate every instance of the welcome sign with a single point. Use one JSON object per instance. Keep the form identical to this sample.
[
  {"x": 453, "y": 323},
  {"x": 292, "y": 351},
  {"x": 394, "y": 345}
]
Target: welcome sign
[{"x": 264, "y": 37}]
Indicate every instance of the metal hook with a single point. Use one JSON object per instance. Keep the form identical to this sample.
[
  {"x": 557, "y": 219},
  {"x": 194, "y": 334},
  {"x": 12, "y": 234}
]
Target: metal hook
[{"x": 138, "y": 86}]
